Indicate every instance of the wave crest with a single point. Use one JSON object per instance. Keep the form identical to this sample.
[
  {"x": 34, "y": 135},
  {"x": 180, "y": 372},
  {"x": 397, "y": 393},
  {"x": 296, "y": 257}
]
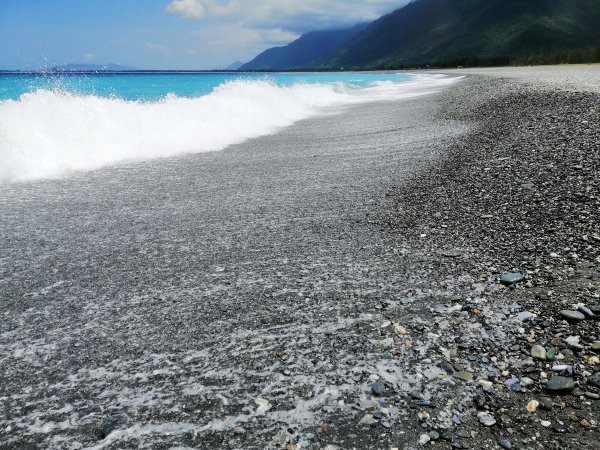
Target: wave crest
[{"x": 47, "y": 134}]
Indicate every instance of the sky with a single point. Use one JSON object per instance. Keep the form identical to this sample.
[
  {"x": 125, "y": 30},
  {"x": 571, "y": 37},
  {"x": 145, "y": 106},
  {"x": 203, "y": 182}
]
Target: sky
[{"x": 165, "y": 34}]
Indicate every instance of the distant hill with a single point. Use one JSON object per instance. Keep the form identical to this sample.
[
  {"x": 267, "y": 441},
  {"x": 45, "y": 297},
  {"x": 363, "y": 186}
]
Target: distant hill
[
  {"x": 91, "y": 68},
  {"x": 234, "y": 66},
  {"x": 303, "y": 52},
  {"x": 474, "y": 32}
]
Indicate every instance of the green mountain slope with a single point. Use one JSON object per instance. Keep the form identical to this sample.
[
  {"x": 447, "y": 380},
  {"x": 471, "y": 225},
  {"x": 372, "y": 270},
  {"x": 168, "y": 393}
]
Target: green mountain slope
[
  {"x": 444, "y": 31},
  {"x": 303, "y": 52}
]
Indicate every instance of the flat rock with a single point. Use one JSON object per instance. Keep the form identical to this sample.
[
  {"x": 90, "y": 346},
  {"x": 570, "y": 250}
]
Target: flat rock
[
  {"x": 368, "y": 420},
  {"x": 510, "y": 278},
  {"x": 463, "y": 375},
  {"x": 525, "y": 316},
  {"x": 587, "y": 312},
  {"x": 572, "y": 316},
  {"x": 560, "y": 385},
  {"x": 486, "y": 419}
]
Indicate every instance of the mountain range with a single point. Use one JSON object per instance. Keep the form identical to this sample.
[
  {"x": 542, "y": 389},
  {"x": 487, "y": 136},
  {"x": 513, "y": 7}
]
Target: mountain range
[
  {"x": 451, "y": 32},
  {"x": 304, "y": 52}
]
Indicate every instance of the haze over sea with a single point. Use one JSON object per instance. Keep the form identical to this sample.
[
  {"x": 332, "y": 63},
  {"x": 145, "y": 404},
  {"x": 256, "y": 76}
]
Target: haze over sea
[{"x": 52, "y": 125}]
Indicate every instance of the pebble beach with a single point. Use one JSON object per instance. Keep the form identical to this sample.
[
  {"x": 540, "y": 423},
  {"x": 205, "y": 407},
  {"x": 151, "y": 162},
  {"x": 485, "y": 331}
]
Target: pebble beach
[{"x": 402, "y": 275}]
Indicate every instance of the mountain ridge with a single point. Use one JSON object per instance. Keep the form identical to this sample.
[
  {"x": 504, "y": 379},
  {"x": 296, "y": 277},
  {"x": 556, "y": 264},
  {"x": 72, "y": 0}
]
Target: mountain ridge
[
  {"x": 441, "y": 31},
  {"x": 303, "y": 52},
  {"x": 451, "y": 32}
]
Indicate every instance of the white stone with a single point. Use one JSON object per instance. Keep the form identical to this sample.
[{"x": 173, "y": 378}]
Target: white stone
[{"x": 424, "y": 439}]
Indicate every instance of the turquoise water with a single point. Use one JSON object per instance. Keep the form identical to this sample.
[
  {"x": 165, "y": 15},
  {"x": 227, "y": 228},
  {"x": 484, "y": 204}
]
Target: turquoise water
[{"x": 149, "y": 87}]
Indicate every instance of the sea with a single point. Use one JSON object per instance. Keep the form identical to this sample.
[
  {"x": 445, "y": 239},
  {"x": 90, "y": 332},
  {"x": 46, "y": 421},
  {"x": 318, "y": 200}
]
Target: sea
[{"x": 53, "y": 125}]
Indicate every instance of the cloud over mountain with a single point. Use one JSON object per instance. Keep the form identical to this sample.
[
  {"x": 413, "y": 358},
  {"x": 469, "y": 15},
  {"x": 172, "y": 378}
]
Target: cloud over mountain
[{"x": 290, "y": 15}]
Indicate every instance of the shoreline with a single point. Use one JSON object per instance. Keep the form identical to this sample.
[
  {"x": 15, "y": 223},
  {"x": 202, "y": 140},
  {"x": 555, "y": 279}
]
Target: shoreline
[{"x": 340, "y": 296}]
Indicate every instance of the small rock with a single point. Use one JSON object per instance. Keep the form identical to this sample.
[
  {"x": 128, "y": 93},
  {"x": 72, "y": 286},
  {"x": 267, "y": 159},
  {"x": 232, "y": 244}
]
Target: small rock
[
  {"x": 452, "y": 254},
  {"x": 587, "y": 312},
  {"x": 528, "y": 186},
  {"x": 546, "y": 403},
  {"x": 486, "y": 419},
  {"x": 434, "y": 435},
  {"x": 382, "y": 388},
  {"x": 280, "y": 438},
  {"x": 426, "y": 404},
  {"x": 538, "y": 352},
  {"x": 424, "y": 439},
  {"x": 551, "y": 354},
  {"x": 592, "y": 395},
  {"x": 263, "y": 405},
  {"x": 526, "y": 381},
  {"x": 572, "y": 316},
  {"x": 463, "y": 375},
  {"x": 584, "y": 423},
  {"x": 595, "y": 347},
  {"x": 388, "y": 342},
  {"x": 505, "y": 444},
  {"x": 594, "y": 380},
  {"x": 560, "y": 385},
  {"x": 446, "y": 367},
  {"x": 509, "y": 279},
  {"x": 566, "y": 353},
  {"x": 400, "y": 330},
  {"x": 525, "y": 316},
  {"x": 367, "y": 420},
  {"x": 593, "y": 361},
  {"x": 545, "y": 423},
  {"x": 532, "y": 406},
  {"x": 573, "y": 343}
]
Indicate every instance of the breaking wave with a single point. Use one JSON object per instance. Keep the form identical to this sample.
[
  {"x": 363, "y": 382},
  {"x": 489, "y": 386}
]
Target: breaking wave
[{"x": 46, "y": 134}]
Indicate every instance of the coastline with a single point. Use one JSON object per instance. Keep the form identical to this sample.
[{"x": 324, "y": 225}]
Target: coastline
[{"x": 313, "y": 299}]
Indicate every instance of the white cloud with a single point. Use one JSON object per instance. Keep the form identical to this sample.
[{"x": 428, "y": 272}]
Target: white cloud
[
  {"x": 190, "y": 9},
  {"x": 235, "y": 36},
  {"x": 228, "y": 30},
  {"x": 295, "y": 15}
]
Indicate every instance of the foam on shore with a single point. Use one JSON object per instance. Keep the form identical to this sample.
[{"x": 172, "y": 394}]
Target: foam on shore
[{"x": 47, "y": 134}]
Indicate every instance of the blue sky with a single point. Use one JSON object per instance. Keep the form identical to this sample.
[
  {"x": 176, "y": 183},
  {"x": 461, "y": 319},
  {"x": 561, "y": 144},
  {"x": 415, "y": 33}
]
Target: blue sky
[{"x": 164, "y": 34}]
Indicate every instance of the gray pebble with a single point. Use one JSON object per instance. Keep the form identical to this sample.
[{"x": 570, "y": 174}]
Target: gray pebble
[
  {"x": 572, "y": 316},
  {"x": 560, "y": 385},
  {"x": 512, "y": 278}
]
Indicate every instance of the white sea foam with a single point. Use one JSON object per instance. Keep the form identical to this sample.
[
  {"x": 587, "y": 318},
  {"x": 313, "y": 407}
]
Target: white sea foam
[{"x": 47, "y": 134}]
